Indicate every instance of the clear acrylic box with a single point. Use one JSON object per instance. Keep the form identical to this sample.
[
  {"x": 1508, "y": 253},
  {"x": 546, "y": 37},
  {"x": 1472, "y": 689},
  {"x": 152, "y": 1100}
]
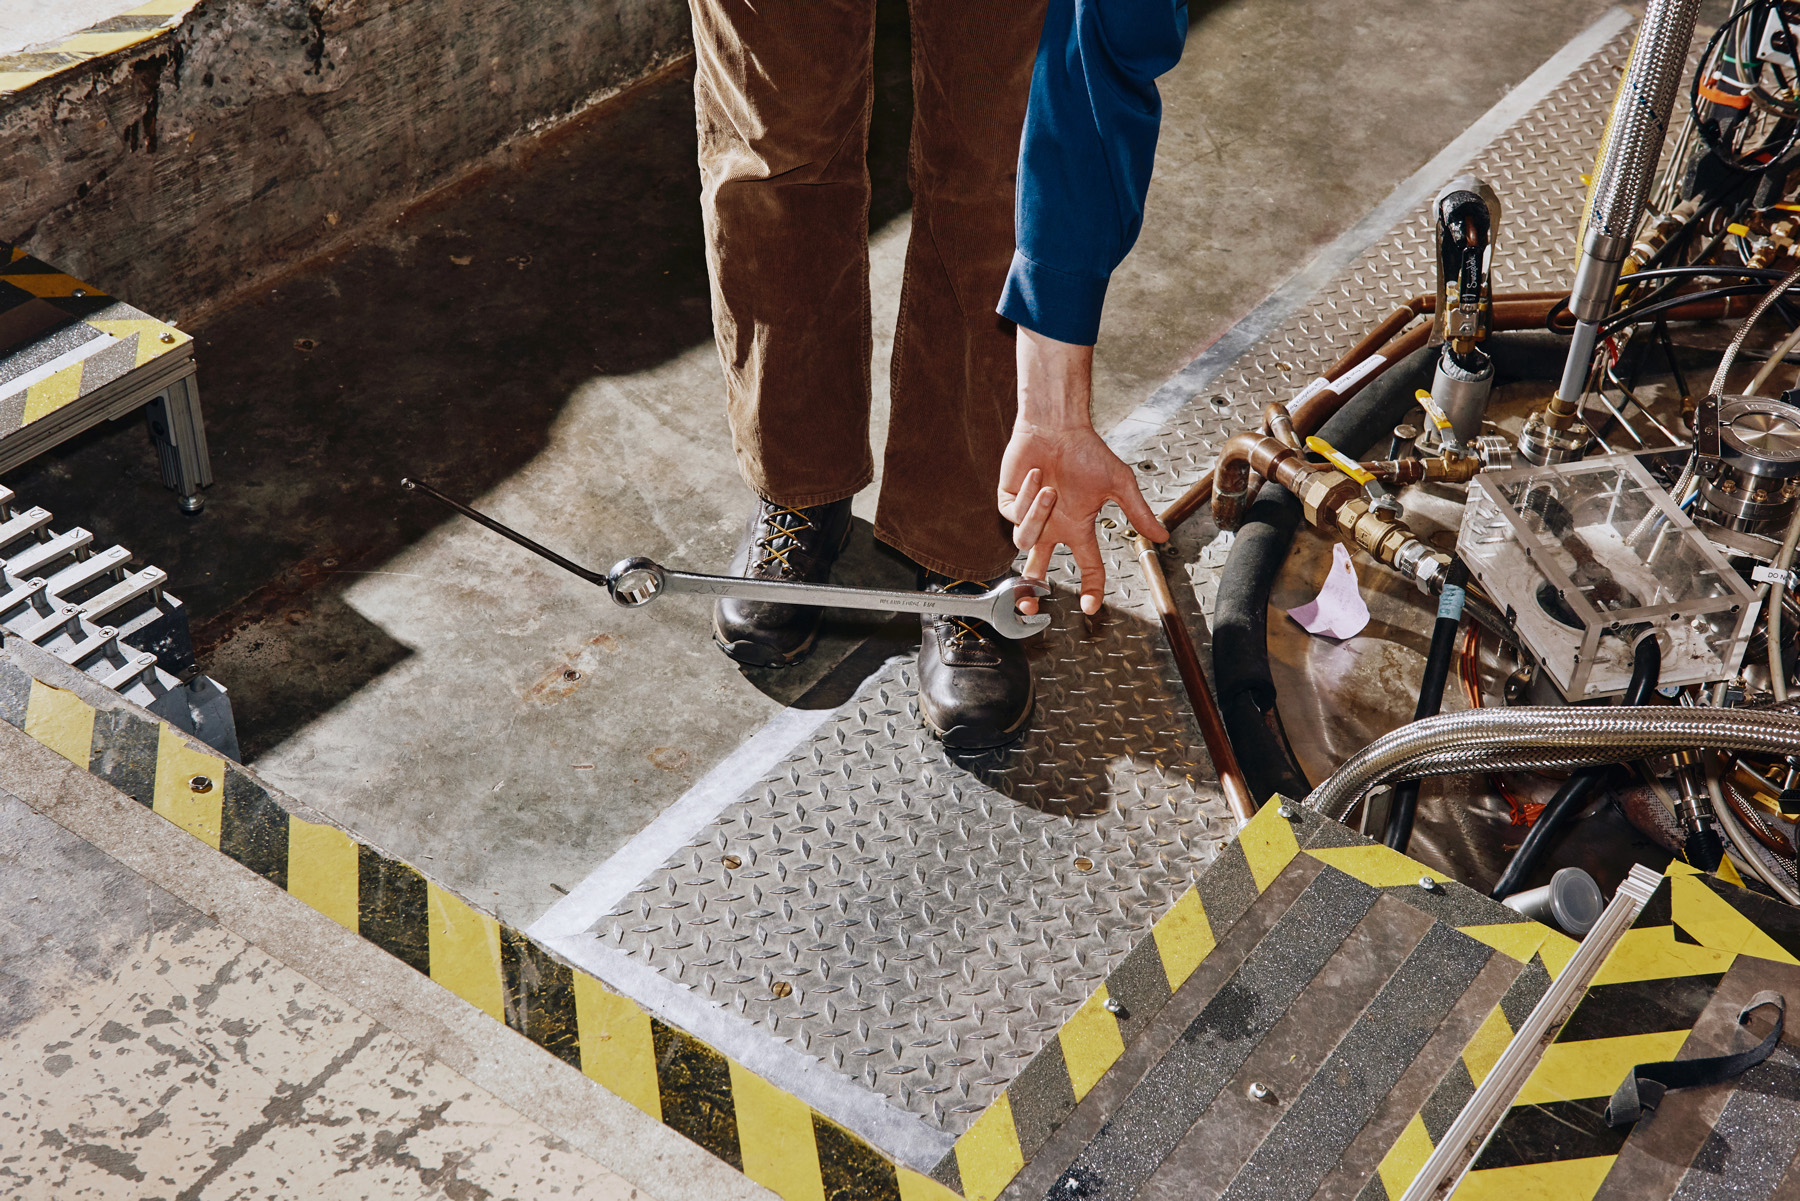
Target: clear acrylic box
[{"x": 1583, "y": 556}]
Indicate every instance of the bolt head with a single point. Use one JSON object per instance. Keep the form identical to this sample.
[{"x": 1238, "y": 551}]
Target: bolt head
[
  {"x": 1113, "y": 1006},
  {"x": 1428, "y": 884},
  {"x": 1290, "y": 812},
  {"x": 1258, "y": 1091},
  {"x": 200, "y": 784}
]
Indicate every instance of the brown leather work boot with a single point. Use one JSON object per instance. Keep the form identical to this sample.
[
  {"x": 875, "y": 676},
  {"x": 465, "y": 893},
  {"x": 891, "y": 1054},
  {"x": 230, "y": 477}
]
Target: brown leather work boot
[
  {"x": 975, "y": 687},
  {"x": 780, "y": 543}
]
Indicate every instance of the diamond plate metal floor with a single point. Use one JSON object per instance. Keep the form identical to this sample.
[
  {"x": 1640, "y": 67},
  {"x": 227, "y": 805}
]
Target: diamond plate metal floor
[{"x": 922, "y": 924}]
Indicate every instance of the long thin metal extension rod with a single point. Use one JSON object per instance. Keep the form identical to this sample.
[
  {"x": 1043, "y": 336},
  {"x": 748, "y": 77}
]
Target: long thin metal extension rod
[
  {"x": 536, "y": 548},
  {"x": 1471, "y": 1129},
  {"x": 1193, "y": 681}
]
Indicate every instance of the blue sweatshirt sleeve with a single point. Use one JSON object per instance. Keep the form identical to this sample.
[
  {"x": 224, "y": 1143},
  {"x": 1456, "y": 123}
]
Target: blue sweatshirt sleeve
[{"x": 1085, "y": 158}]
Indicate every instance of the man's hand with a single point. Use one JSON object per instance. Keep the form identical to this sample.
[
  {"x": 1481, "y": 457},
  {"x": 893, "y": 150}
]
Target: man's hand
[{"x": 1057, "y": 472}]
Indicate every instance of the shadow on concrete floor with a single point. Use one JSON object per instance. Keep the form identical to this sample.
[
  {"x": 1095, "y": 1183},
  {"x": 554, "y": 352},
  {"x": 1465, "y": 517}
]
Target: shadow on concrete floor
[{"x": 446, "y": 349}]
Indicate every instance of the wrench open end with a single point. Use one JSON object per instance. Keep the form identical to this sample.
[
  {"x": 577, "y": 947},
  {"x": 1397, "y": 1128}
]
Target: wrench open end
[{"x": 1006, "y": 617}]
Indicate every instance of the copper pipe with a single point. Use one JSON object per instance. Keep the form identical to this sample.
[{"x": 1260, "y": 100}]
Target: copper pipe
[
  {"x": 1278, "y": 425},
  {"x": 1527, "y": 310},
  {"x": 1753, "y": 821},
  {"x": 1387, "y": 331},
  {"x": 1193, "y": 682},
  {"x": 1322, "y": 405}
]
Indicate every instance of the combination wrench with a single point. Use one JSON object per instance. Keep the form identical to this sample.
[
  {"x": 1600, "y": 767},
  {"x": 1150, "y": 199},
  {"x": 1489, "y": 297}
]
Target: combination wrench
[{"x": 637, "y": 581}]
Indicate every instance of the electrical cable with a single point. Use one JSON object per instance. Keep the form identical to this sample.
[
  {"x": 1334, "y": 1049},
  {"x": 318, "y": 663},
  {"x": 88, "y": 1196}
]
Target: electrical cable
[
  {"x": 1405, "y": 802},
  {"x": 1729, "y": 135},
  {"x": 1646, "y": 668},
  {"x": 1637, "y": 314},
  {"x": 1716, "y": 388},
  {"x": 1771, "y": 837}
]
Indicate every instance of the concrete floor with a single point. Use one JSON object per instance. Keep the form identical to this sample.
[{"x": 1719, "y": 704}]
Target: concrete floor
[
  {"x": 173, "y": 1027},
  {"x": 28, "y": 23},
  {"x": 539, "y": 343}
]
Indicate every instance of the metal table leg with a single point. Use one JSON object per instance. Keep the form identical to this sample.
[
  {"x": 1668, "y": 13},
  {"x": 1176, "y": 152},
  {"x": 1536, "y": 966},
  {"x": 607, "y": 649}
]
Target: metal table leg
[{"x": 179, "y": 431}]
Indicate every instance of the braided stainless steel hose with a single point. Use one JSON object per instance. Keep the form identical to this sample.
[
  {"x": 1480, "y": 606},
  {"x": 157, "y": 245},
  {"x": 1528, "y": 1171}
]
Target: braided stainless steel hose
[
  {"x": 1530, "y": 738},
  {"x": 1629, "y": 151}
]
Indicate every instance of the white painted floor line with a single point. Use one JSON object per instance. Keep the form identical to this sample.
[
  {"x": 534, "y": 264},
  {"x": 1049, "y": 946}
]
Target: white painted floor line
[
  {"x": 677, "y": 825},
  {"x": 1148, "y": 419},
  {"x": 608, "y": 884}
]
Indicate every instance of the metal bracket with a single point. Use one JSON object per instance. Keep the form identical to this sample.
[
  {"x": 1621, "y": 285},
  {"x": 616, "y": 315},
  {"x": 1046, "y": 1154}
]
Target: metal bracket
[{"x": 1707, "y": 448}]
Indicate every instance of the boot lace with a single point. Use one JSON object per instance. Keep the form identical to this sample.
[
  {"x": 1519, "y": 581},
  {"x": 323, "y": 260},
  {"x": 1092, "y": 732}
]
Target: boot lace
[
  {"x": 780, "y": 536},
  {"x": 963, "y": 631}
]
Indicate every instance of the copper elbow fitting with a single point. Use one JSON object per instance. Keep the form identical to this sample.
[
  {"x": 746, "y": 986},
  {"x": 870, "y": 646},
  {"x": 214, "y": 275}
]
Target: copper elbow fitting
[{"x": 1242, "y": 454}]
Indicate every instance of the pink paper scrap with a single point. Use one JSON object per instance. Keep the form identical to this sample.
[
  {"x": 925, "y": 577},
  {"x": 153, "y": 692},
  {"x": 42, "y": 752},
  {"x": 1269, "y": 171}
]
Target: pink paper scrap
[{"x": 1338, "y": 611}]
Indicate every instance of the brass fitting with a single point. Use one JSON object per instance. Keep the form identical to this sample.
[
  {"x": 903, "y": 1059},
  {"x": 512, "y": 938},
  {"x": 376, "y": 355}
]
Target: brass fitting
[
  {"x": 1337, "y": 505},
  {"x": 1453, "y": 469},
  {"x": 1333, "y": 503},
  {"x": 1323, "y": 493},
  {"x": 1562, "y": 414},
  {"x": 1660, "y": 231}
]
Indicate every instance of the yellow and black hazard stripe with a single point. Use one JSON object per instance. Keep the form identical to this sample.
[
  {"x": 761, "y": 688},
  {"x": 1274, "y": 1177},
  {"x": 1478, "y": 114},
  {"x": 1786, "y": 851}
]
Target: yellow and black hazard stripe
[
  {"x": 1640, "y": 1007},
  {"x": 1427, "y": 1128},
  {"x": 123, "y": 32},
  {"x": 36, "y": 298},
  {"x": 995, "y": 1148},
  {"x": 768, "y": 1134}
]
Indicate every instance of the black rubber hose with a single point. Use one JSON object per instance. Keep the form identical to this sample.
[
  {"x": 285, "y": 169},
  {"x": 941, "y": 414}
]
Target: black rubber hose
[
  {"x": 1431, "y": 695},
  {"x": 1240, "y": 642},
  {"x": 1646, "y": 667}
]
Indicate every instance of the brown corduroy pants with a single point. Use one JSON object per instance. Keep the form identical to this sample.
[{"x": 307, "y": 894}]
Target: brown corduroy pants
[{"x": 784, "y": 91}]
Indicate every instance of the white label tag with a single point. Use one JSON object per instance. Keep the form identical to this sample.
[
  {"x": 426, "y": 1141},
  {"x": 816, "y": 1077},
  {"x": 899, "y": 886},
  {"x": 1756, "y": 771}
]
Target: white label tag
[
  {"x": 1307, "y": 393},
  {"x": 1342, "y": 384},
  {"x": 1763, "y": 573},
  {"x": 1358, "y": 373}
]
